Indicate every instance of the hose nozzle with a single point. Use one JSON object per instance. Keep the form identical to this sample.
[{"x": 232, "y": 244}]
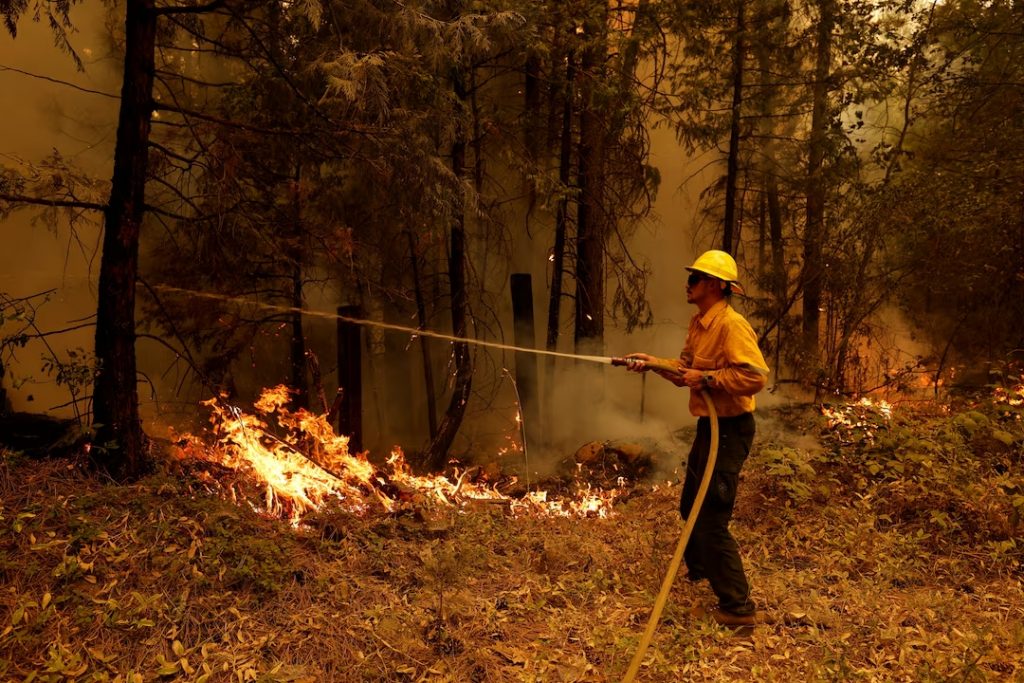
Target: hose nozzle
[{"x": 665, "y": 364}]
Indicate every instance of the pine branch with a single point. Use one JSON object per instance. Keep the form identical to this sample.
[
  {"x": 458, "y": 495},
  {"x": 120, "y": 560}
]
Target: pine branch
[
  {"x": 49, "y": 333},
  {"x": 190, "y": 113},
  {"x": 58, "y": 203},
  {"x": 190, "y": 9},
  {"x": 174, "y": 155},
  {"x": 196, "y": 81},
  {"x": 59, "y": 82}
]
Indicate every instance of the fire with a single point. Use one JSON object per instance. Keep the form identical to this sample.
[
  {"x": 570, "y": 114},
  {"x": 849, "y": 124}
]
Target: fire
[
  {"x": 865, "y": 417},
  {"x": 1013, "y": 396},
  {"x": 311, "y": 465}
]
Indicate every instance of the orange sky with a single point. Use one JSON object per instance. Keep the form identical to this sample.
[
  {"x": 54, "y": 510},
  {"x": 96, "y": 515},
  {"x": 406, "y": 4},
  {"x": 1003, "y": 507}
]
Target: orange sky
[{"x": 38, "y": 117}]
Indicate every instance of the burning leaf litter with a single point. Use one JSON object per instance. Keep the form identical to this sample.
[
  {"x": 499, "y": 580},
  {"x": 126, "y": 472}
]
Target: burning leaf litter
[
  {"x": 310, "y": 465},
  {"x": 1011, "y": 396},
  {"x": 860, "y": 420},
  {"x": 908, "y": 573}
]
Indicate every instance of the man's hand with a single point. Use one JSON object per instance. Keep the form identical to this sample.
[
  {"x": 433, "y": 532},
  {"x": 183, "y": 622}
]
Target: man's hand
[
  {"x": 637, "y": 362},
  {"x": 669, "y": 369},
  {"x": 693, "y": 378}
]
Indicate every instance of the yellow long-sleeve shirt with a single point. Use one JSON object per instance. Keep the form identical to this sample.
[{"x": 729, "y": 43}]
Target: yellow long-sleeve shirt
[{"x": 722, "y": 344}]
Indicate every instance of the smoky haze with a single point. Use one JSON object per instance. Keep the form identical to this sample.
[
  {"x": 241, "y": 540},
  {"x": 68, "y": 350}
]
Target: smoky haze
[
  {"x": 42, "y": 116},
  {"x": 39, "y": 117}
]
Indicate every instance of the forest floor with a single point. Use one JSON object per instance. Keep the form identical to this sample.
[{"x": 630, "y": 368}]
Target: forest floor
[{"x": 884, "y": 548}]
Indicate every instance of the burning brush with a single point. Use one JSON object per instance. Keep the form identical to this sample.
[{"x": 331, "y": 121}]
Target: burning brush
[
  {"x": 310, "y": 465},
  {"x": 860, "y": 421}
]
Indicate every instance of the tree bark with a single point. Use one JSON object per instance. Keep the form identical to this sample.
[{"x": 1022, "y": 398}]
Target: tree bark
[
  {"x": 421, "y": 318},
  {"x": 120, "y": 442},
  {"x": 767, "y": 43},
  {"x": 437, "y": 452},
  {"x": 814, "y": 235},
  {"x": 591, "y": 217},
  {"x": 561, "y": 224},
  {"x": 732, "y": 162},
  {"x": 297, "y": 343},
  {"x": 531, "y": 106}
]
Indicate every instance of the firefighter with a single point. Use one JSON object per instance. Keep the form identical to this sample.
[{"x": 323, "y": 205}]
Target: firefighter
[{"x": 720, "y": 356}]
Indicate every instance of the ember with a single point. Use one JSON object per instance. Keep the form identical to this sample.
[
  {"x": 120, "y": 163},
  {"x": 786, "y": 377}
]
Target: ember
[
  {"x": 1012, "y": 396},
  {"x": 310, "y": 465},
  {"x": 858, "y": 421}
]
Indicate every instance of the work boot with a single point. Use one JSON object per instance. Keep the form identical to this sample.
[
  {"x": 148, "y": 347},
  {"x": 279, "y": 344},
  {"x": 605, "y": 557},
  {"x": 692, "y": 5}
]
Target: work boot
[{"x": 723, "y": 617}]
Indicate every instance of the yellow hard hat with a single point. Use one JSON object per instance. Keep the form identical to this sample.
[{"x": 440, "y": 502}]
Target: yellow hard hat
[{"x": 718, "y": 264}]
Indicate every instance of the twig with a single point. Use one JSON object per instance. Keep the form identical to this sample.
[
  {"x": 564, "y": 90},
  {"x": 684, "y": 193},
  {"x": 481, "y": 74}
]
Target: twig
[
  {"x": 394, "y": 649},
  {"x": 39, "y": 201},
  {"x": 59, "y": 82}
]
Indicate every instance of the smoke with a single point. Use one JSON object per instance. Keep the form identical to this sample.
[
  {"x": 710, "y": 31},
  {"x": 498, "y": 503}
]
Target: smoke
[
  {"x": 585, "y": 403},
  {"x": 41, "y": 116}
]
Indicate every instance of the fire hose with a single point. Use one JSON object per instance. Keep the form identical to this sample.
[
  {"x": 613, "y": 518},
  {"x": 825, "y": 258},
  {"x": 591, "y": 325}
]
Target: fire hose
[{"x": 691, "y": 520}]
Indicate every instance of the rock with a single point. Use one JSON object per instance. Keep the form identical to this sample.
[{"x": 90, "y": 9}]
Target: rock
[{"x": 613, "y": 459}]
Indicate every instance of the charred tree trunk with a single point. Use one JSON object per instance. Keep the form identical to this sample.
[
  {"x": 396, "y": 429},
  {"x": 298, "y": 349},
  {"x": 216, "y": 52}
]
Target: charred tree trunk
[
  {"x": 421, "y": 320},
  {"x": 766, "y": 44},
  {"x": 524, "y": 333},
  {"x": 814, "y": 236},
  {"x": 120, "y": 440},
  {"x": 350, "y": 377},
  {"x": 561, "y": 223},
  {"x": 762, "y": 235},
  {"x": 297, "y": 343},
  {"x": 4, "y": 405},
  {"x": 437, "y": 452},
  {"x": 732, "y": 163},
  {"x": 531, "y": 106},
  {"x": 591, "y": 218},
  {"x": 780, "y": 284}
]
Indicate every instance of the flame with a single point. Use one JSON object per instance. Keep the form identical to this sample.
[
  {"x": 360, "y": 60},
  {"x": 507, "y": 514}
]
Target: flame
[
  {"x": 866, "y": 416},
  {"x": 1013, "y": 396},
  {"x": 311, "y": 465}
]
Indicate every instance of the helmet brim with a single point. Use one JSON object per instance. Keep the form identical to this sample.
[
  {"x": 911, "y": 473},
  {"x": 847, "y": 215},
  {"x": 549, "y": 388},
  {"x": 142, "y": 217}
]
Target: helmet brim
[{"x": 737, "y": 288}]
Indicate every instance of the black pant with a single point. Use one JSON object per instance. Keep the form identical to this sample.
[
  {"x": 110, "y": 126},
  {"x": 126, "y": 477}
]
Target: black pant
[{"x": 712, "y": 552}]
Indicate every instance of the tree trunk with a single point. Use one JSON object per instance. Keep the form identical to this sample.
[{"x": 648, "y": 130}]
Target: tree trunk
[
  {"x": 437, "y": 452},
  {"x": 297, "y": 345},
  {"x": 591, "y": 216},
  {"x": 561, "y": 224},
  {"x": 4, "y": 405},
  {"x": 767, "y": 44},
  {"x": 531, "y": 106},
  {"x": 421, "y": 319},
  {"x": 814, "y": 236},
  {"x": 120, "y": 442},
  {"x": 350, "y": 378},
  {"x": 780, "y": 284},
  {"x": 732, "y": 163},
  {"x": 762, "y": 235}
]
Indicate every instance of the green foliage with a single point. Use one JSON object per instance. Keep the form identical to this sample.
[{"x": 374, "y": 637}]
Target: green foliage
[
  {"x": 950, "y": 474},
  {"x": 56, "y": 13},
  {"x": 17, "y": 326},
  {"x": 952, "y": 201},
  {"x": 789, "y": 471}
]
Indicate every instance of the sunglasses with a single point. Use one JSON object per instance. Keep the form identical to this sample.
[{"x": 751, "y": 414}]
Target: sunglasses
[{"x": 695, "y": 279}]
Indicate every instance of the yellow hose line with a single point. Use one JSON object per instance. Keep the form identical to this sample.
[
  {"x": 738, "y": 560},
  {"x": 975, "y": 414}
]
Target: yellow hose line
[{"x": 677, "y": 558}]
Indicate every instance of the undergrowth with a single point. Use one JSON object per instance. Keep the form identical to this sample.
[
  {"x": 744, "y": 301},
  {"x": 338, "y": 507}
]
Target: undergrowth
[{"x": 886, "y": 551}]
